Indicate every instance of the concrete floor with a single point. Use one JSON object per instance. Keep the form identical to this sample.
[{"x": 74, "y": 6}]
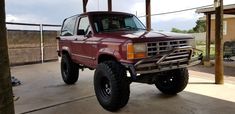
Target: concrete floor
[{"x": 43, "y": 92}]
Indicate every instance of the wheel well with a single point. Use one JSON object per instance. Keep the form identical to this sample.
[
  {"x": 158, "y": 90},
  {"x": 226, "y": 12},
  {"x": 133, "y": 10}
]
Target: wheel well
[
  {"x": 105, "y": 57},
  {"x": 64, "y": 52}
]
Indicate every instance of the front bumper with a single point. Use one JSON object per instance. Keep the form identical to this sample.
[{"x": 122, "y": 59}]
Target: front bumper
[{"x": 178, "y": 57}]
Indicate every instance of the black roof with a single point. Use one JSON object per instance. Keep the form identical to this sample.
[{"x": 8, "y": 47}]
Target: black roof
[{"x": 101, "y": 12}]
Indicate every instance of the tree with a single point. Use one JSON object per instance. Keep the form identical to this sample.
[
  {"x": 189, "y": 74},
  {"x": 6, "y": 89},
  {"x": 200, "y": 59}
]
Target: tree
[
  {"x": 200, "y": 26},
  {"x": 178, "y": 30},
  {"x": 190, "y": 31},
  {"x": 175, "y": 30},
  {"x": 6, "y": 95}
]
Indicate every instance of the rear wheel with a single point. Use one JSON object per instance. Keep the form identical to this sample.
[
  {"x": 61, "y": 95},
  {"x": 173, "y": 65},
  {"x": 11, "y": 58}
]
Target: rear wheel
[
  {"x": 69, "y": 70},
  {"x": 111, "y": 85},
  {"x": 173, "y": 82}
]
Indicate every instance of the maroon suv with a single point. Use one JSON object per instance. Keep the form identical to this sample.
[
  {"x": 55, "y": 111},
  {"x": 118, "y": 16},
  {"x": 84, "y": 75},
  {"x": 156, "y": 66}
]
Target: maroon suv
[{"x": 118, "y": 46}]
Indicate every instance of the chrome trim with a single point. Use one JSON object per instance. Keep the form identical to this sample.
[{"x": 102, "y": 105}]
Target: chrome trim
[
  {"x": 166, "y": 68},
  {"x": 87, "y": 57},
  {"x": 155, "y": 48}
]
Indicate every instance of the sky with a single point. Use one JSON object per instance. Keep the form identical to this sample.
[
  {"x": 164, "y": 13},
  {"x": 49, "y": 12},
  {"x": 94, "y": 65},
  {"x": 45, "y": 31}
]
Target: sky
[{"x": 54, "y": 11}]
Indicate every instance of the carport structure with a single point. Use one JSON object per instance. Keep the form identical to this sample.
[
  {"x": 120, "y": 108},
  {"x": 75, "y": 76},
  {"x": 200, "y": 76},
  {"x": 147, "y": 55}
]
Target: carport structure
[
  {"x": 6, "y": 90},
  {"x": 148, "y": 11},
  {"x": 227, "y": 9}
]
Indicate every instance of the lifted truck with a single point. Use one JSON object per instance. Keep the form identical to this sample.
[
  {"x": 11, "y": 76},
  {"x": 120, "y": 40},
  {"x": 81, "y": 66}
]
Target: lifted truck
[{"x": 118, "y": 46}]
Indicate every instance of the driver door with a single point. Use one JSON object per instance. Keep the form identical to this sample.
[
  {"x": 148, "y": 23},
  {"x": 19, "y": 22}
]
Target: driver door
[{"x": 80, "y": 46}]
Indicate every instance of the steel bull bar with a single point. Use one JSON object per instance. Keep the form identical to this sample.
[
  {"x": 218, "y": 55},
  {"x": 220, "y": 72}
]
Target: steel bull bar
[{"x": 178, "y": 57}]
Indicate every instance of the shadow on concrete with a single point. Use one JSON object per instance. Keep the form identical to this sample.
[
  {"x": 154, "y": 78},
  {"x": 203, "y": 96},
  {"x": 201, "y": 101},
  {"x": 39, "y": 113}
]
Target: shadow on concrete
[
  {"x": 44, "y": 92},
  {"x": 201, "y": 83},
  {"x": 150, "y": 102},
  {"x": 228, "y": 71}
]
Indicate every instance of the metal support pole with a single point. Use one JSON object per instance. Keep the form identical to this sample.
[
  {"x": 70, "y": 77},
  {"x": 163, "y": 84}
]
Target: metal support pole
[
  {"x": 84, "y": 5},
  {"x": 109, "y": 5},
  {"x": 41, "y": 43},
  {"x": 148, "y": 15},
  {"x": 208, "y": 40},
  {"x": 219, "y": 68}
]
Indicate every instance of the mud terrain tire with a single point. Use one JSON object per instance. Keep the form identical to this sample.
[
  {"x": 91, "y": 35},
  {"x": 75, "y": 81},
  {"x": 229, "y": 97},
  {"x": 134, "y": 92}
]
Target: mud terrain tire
[
  {"x": 111, "y": 85},
  {"x": 69, "y": 70},
  {"x": 173, "y": 82}
]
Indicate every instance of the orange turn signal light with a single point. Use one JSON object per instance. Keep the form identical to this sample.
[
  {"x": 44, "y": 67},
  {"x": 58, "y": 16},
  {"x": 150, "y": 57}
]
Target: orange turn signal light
[
  {"x": 131, "y": 54},
  {"x": 130, "y": 48},
  {"x": 140, "y": 55}
]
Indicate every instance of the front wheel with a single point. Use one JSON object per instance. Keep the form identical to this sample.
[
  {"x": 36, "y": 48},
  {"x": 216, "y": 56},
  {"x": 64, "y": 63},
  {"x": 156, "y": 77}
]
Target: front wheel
[
  {"x": 69, "y": 70},
  {"x": 173, "y": 81},
  {"x": 111, "y": 85}
]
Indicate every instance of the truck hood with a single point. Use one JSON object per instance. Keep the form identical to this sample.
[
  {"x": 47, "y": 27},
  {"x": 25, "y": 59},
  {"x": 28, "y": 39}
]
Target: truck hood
[{"x": 140, "y": 36}]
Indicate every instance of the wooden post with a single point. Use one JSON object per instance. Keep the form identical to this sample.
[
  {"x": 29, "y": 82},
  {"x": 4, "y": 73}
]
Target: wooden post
[
  {"x": 109, "y": 5},
  {"x": 6, "y": 95},
  {"x": 208, "y": 40},
  {"x": 148, "y": 15},
  {"x": 219, "y": 68},
  {"x": 84, "y": 5}
]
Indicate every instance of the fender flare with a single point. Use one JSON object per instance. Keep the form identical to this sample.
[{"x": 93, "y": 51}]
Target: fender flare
[
  {"x": 110, "y": 52},
  {"x": 67, "y": 49}
]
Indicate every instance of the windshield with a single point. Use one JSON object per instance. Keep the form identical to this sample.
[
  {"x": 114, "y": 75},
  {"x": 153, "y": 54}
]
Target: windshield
[{"x": 116, "y": 22}]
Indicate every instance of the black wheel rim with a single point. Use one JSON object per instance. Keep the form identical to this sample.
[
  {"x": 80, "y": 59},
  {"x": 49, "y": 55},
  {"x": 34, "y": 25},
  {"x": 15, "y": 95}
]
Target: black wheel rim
[
  {"x": 167, "y": 81},
  {"x": 105, "y": 87}
]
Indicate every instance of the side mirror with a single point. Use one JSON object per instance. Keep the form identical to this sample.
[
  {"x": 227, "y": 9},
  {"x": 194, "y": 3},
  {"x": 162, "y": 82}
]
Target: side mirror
[
  {"x": 80, "y": 32},
  {"x": 89, "y": 34},
  {"x": 58, "y": 38}
]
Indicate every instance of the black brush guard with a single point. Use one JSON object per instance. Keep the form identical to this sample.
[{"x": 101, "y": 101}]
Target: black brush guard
[{"x": 178, "y": 57}]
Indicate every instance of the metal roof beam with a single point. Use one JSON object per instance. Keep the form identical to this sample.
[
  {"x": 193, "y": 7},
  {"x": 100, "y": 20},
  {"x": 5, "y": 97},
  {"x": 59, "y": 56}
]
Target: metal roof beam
[
  {"x": 148, "y": 15},
  {"x": 109, "y": 5}
]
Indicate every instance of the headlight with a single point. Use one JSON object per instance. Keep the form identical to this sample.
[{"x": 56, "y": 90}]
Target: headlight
[
  {"x": 139, "y": 47},
  {"x": 192, "y": 42},
  {"x": 136, "y": 51}
]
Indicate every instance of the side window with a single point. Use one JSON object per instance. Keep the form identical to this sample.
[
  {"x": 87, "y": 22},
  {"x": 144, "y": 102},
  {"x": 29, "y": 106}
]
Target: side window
[
  {"x": 84, "y": 24},
  {"x": 68, "y": 27},
  {"x": 130, "y": 23}
]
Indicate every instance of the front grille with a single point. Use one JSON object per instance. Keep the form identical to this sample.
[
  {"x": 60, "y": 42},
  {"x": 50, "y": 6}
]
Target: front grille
[
  {"x": 155, "y": 48},
  {"x": 163, "y": 57}
]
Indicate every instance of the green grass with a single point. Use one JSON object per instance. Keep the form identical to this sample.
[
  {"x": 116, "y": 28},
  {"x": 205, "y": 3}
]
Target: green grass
[{"x": 203, "y": 48}]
